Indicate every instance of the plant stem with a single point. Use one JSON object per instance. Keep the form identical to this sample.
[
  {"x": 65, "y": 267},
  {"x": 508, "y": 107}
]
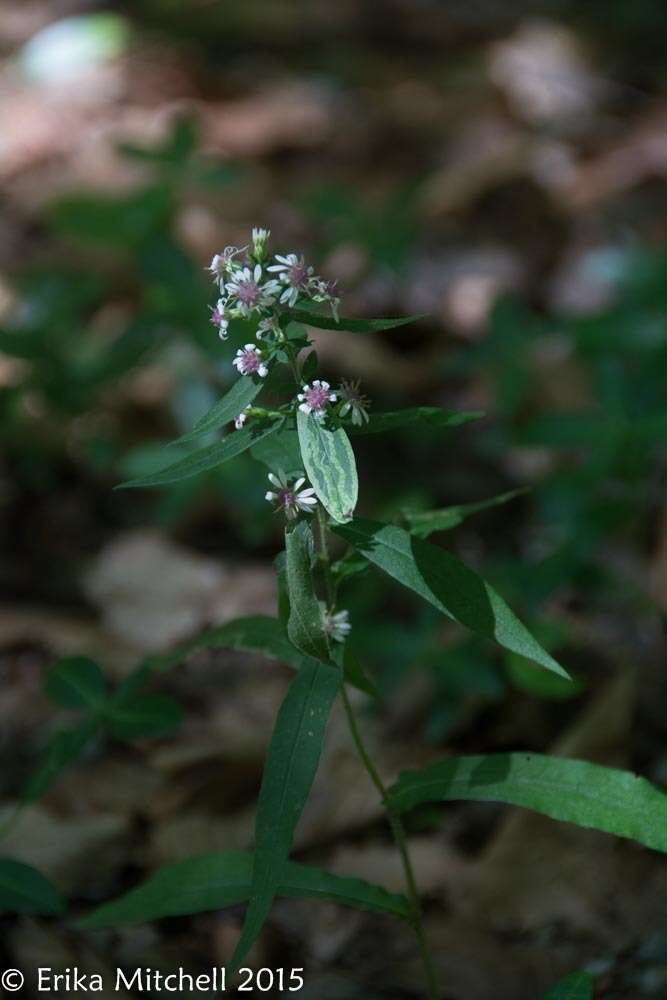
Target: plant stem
[
  {"x": 398, "y": 831},
  {"x": 394, "y": 818}
]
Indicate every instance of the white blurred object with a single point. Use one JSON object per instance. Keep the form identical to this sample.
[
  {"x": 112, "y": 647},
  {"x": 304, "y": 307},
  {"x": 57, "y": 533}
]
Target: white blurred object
[
  {"x": 66, "y": 52},
  {"x": 543, "y": 73}
]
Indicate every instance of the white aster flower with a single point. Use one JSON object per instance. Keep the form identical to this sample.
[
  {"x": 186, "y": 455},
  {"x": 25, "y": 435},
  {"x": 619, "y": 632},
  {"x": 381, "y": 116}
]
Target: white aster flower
[
  {"x": 241, "y": 418},
  {"x": 248, "y": 361},
  {"x": 219, "y": 319},
  {"x": 315, "y": 398},
  {"x": 224, "y": 264},
  {"x": 336, "y": 624},
  {"x": 291, "y": 499},
  {"x": 295, "y": 274},
  {"x": 248, "y": 293}
]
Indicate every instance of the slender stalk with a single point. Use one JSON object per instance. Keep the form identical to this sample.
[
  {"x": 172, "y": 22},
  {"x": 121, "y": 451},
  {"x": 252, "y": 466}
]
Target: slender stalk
[
  {"x": 395, "y": 821},
  {"x": 398, "y": 831}
]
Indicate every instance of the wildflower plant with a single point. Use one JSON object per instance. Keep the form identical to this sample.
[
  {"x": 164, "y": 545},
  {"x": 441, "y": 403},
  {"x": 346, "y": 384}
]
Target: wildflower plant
[{"x": 302, "y": 433}]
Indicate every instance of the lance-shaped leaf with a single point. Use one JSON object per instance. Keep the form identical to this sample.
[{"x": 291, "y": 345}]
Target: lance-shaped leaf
[
  {"x": 573, "y": 791},
  {"x": 329, "y": 463},
  {"x": 143, "y": 716},
  {"x": 63, "y": 748},
  {"x": 215, "y": 881},
  {"x": 75, "y": 682},
  {"x": 25, "y": 890},
  {"x": 280, "y": 452},
  {"x": 254, "y": 634},
  {"x": 226, "y": 409},
  {"x": 446, "y": 583},
  {"x": 429, "y": 416},
  {"x": 291, "y": 763},
  {"x": 305, "y": 627},
  {"x": 205, "y": 459},
  {"x": 323, "y": 322},
  {"x": 576, "y": 986},
  {"x": 426, "y": 522}
]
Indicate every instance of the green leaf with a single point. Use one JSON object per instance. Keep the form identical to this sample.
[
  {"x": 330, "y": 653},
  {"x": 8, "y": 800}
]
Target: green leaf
[
  {"x": 446, "y": 583},
  {"x": 291, "y": 763},
  {"x": 64, "y": 747},
  {"x": 576, "y": 986},
  {"x": 280, "y": 564},
  {"x": 254, "y": 634},
  {"x": 75, "y": 682},
  {"x": 143, "y": 716},
  {"x": 324, "y": 322},
  {"x": 304, "y": 627},
  {"x": 25, "y": 890},
  {"x": 207, "y": 458},
  {"x": 215, "y": 881},
  {"x": 573, "y": 791},
  {"x": 329, "y": 464},
  {"x": 432, "y": 416},
  {"x": 226, "y": 409},
  {"x": 424, "y": 523},
  {"x": 353, "y": 671},
  {"x": 280, "y": 452}
]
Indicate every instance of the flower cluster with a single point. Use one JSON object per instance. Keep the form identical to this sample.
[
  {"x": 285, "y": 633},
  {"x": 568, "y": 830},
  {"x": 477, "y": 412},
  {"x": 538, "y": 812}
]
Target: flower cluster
[
  {"x": 249, "y": 284},
  {"x": 254, "y": 285}
]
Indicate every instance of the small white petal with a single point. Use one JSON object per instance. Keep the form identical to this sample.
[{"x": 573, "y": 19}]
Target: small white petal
[
  {"x": 274, "y": 479},
  {"x": 299, "y": 483}
]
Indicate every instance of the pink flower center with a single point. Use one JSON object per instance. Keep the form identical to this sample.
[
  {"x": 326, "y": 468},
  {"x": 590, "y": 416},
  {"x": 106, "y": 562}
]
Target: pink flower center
[
  {"x": 317, "y": 397},
  {"x": 286, "y": 498},
  {"x": 248, "y": 292},
  {"x": 297, "y": 274},
  {"x": 250, "y": 361},
  {"x": 216, "y": 317}
]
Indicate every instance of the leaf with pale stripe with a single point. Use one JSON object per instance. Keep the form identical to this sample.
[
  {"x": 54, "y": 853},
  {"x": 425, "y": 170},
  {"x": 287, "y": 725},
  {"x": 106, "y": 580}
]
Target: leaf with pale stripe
[
  {"x": 329, "y": 463},
  {"x": 574, "y": 791},
  {"x": 305, "y": 627}
]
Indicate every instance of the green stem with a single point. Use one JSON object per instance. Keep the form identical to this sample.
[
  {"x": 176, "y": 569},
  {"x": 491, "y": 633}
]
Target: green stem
[
  {"x": 395, "y": 820},
  {"x": 398, "y": 831}
]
